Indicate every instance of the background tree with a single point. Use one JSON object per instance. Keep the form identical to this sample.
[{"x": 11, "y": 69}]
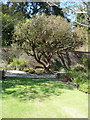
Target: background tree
[
  {"x": 12, "y": 12},
  {"x": 9, "y": 53},
  {"x": 7, "y": 29},
  {"x": 43, "y": 36},
  {"x": 29, "y": 9},
  {"x": 18, "y": 10}
]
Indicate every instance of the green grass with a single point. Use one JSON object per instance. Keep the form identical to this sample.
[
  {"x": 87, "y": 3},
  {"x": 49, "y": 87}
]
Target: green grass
[{"x": 42, "y": 98}]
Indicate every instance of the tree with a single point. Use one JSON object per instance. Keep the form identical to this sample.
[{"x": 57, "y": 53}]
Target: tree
[
  {"x": 7, "y": 29},
  {"x": 83, "y": 14},
  {"x": 18, "y": 10},
  {"x": 42, "y": 37},
  {"x": 29, "y": 9},
  {"x": 14, "y": 12},
  {"x": 80, "y": 12}
]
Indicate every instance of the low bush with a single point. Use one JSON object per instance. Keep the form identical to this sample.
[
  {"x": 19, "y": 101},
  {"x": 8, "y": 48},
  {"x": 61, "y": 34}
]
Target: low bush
[
  {"x": 84, "y": 87},
  {"x": 78, "y": 67},
  {"x": 86, "y": 61},
  {"x": 79, "y": 76},
  {"x": 39, "y": 71},
  {"x": 31, "y": 70},
  {"x": 17, "y": 64},
  {"x": 26, "y": 69}
]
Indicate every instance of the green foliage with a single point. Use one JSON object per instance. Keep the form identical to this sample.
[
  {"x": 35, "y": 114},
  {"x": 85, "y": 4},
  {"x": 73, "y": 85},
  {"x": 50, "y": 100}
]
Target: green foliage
[
  {"x": 78, "y": 67},
  {"x": 39, "y": 71},
  {"x": 31, "y": 70},
  {"x": 80, "y": 79},
  {"x": 26, "y": 69},
  {"x": 42, "y": 36},
  {"x": 79, "y": 75},
  {"x": 9, "y": 53},
  {"x": 86, "y": 61},
  {"x": 7, "y": 29},
  {"x": 85, "y": 87},
  {"x": 20, "y": 10},
  {"x": 62, "y": 69},
  {"x": 16, "y": 10},
  {"x": 17, "y": 64}
]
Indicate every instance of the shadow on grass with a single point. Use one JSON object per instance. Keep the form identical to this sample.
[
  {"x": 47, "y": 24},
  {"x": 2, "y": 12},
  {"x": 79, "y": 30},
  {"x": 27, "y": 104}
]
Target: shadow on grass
[{"x": 30, "y": 88}]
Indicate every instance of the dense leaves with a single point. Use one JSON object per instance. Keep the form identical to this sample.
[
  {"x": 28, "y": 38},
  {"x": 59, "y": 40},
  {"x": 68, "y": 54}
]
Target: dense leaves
[
  {"x": 29, "y": 9},
  {"x": 43, "y": 36},
  {"x": 14, "y": 12},
  {"x": 7, "y": 29}
]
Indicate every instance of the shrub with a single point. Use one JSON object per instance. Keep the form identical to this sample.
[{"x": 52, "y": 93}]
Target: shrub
[
  {"x": 80, "y": 77},
  {"x": 10, "y": 67},
  {"x": 17, "y": 64},
  {"x": 84, "y": 87},
  {"x": 86, "y": 61},
  {"x": 26, "y": 69},
  {"x": 39, "y": 71},
  {"x": 78, "y": 67},
  {"x": 78, "y": 73},
  {"x": 31, "y": 70}
]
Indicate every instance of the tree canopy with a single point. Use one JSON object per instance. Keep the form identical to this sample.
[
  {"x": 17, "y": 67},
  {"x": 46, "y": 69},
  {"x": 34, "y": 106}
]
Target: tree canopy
[
  {"x": 12, "y": 12},
  {"x": 29, "y": 9},
  {"x": 7, "y": 29},
  {"x": 43, "y": 36}
]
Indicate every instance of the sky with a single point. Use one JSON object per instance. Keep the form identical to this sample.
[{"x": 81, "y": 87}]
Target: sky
[{"x": 69, "y": 14}]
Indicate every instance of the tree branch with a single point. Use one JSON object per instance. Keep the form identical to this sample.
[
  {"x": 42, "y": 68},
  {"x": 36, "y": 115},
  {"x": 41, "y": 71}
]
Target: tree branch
[
  {"x": 82, "y": 24},
  {"x": 36, "y": 58}
]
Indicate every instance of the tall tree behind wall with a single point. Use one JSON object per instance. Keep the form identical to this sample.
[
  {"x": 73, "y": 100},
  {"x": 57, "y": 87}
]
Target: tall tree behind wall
[{"x": 18, "y": 11}]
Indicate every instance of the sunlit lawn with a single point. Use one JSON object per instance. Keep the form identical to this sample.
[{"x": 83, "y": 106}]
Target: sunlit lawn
[{"x": 42, "y": 98}]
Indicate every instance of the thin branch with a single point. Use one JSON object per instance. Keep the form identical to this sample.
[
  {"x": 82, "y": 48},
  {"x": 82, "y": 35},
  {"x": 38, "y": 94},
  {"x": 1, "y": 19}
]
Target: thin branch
[
  {"x": 28, "y": 52},
  {"x": 52, "y": 4},
  {"x": 82, "y": 24}
]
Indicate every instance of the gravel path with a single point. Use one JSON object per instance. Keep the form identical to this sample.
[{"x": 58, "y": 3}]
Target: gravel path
[{"x": 15, "y": 73}]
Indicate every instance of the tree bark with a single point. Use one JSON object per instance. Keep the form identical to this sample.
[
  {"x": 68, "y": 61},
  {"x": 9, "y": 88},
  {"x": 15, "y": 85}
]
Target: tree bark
[{"x": 46, "y": 66}]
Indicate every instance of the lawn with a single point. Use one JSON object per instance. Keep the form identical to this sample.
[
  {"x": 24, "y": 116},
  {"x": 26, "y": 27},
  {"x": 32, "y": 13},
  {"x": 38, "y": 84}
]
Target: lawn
[{"x": 42, "y": 98}]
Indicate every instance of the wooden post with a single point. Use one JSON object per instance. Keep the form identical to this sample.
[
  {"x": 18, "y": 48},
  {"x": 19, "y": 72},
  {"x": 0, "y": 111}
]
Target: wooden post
[{"x": 2, "y": 74}]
